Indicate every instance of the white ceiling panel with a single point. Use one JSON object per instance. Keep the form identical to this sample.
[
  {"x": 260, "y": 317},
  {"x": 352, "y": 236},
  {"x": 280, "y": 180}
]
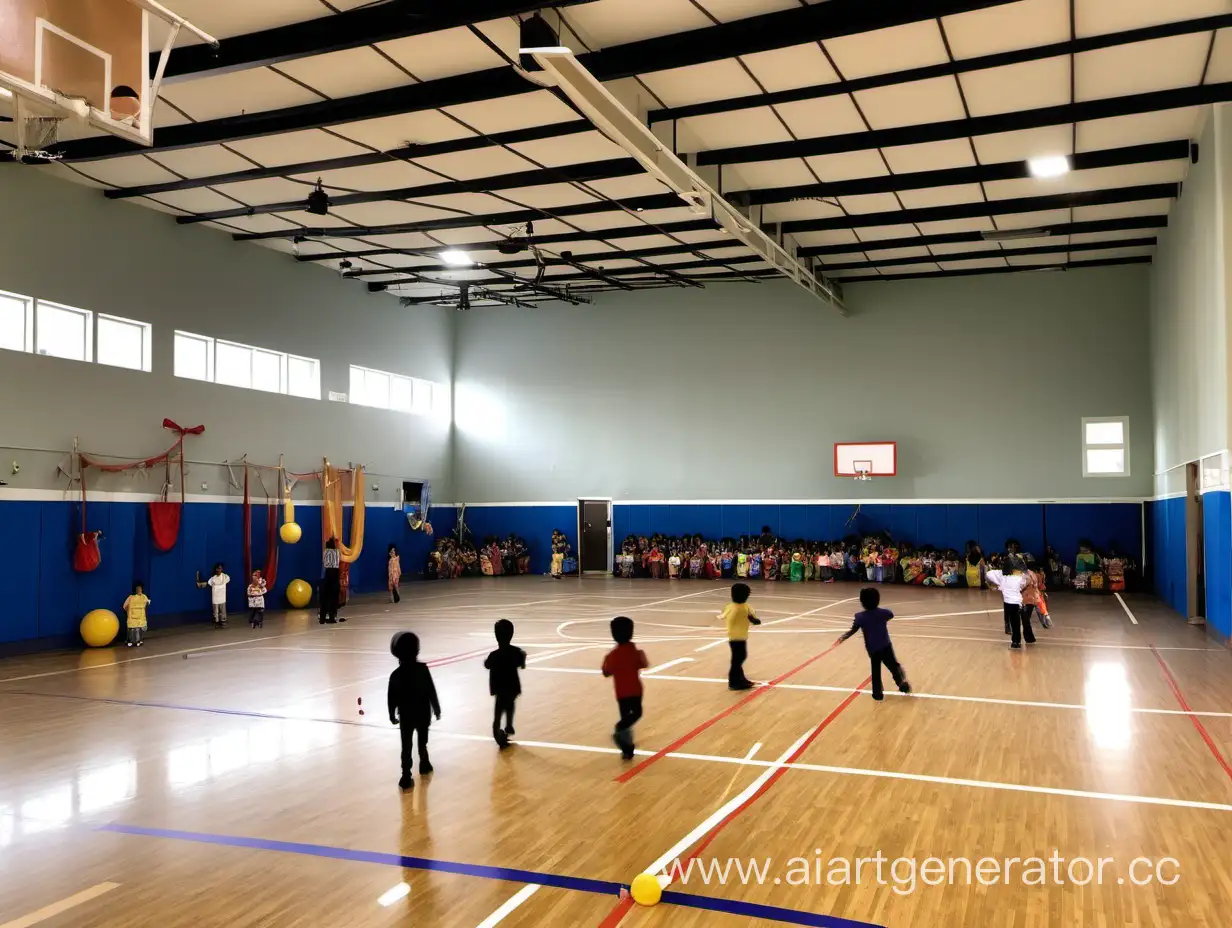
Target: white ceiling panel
[
  {"x": 958, "y": 248},
  {"x": 700, "y": 83},
  {"x": 129, "y": 171},
  {"x": 788, "y": 68},
  {"x": 305, "y": 218},
  {"x": 600, "y": 25},
  {"x": 1120, "y": 131},
  {"x": 201, "y": 200},
  {"x": 894, "y": 49},
  {"x": 1040, "y": 219},
  {"x": 1122, "y": 210},
  {"x": 971, "y": 264},
  {"x": 821, "y": 117},
  {"x": 1120, "y": 235},
  {"x": 570, "y": 149},
  {"x": 205, "y": 161},
  {"x": 1057, "y": 257},
  {"x": 1130, "y": 175},
  {"x": 441, "y": 54},
  {"x": 941, "y": 196},
  {"x": 388, "y": 175},
  {"x": 830, "y": 237},
  {"x": 934, "y": 100},
  {"x": 539, "y": 108},
  {"x": 700, "y": 133},
  {"x": 482, "y": 162},
  {"x": 1026, "y": 86},
  {"x": 391, "y": 132},
  {"x": 266, "y": 190},
  {"x": 1220, "y": 69},
  {"x": 294, "y": 147},
  {"x": 728, "y": 10},
  {"x": 948, "y": 226},
  {"x": 923, "y": 268},
  {"x": 893, "y": 254},
  {"x": 875, "y": 233},
  {"x": 848, "y": 165},
  {"x": 1008, "y": 26},
  {"x": 1056, "y": 242},
  {"x": 1024, "y": 143},
  {"x": 461, "y": 204},
  {"x": 1096, "y": 17},
  {"x": 1113, "y": 253},
  {"x": 258, "y": 223},
  {"x": 414, "y": 240},
  {"x": 805, "y": 209},
  {"x": 549, "y": 195},
  {"x": 346, "y": 73},
  {"x": 1161, "y": 64},
  {"x": 930, "y": 156},
  {"x": 225, "y": 19},
  {"x": 870, "y": 203},
  {"x": 148, "y": 202},
  {"x": 635, "y": 185},
  {"x": 237, "y": 92},
  {"x": 766, "y": 174}
]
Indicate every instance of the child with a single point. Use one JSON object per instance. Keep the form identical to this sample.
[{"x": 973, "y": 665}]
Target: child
[
  {"x": 412, "y": 702},
  {"x": 738, "y": 616},
  {"x": 873, "y": 623},
  {"x": 256, "y": 600},
  {"x": 331, "y": 583},
  {"x": 393, "y": 574},
  {"x": 1033, "y": 599},
  {"x": 218, "y": 594},
  {"x": 624, "y": 664},
  {"x": 1011, "y": 584},
  {"x": 503, "y": 681},
  {"x": 134, "y": 609}
]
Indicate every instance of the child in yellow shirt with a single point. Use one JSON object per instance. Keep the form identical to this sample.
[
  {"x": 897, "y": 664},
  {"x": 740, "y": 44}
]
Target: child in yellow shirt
[
  {"x": 134, "y": 608},
  {"x": 738, "y": 616}
]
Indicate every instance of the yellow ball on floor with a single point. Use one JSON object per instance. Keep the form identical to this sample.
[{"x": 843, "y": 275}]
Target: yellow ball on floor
[
  {"x": 646, "y": 890},
  {"x": 99, "y": 628},
  {"x": 299, "y": 593},
  {"x": 290, "y": 532}
]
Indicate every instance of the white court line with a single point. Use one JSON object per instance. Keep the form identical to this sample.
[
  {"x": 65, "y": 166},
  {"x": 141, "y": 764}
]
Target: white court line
[
  {"x": 510, "y": 904},
  {"x": 713, "y": 644},
  {"x": 679, "y": 660},
  {"x": 813, "y": 687},
  {"x": 551, "y": 654},
  {"x": 1126, "y": 608},
  {"x": 145, "y": 657},
  {"x": 71, "y": 902}
]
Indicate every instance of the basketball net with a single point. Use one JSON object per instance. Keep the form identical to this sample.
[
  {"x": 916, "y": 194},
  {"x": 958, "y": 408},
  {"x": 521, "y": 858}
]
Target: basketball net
[
  {"x": 863, "y": 475},
  {"x": 35, "y": 132}
]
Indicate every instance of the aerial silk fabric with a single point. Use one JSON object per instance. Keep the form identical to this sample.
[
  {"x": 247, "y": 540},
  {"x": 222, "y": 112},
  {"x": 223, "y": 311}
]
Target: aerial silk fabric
[{"x": 331, "y": 493}]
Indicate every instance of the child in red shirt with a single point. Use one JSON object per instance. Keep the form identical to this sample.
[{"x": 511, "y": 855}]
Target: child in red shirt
[{"x": 624, "y": 664}]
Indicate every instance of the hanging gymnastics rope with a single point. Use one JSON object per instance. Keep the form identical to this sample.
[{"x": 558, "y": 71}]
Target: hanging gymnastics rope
[{"x": 331, "y": 496}]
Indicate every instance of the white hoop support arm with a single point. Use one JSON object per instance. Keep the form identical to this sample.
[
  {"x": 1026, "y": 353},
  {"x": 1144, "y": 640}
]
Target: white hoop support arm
[{"x": 175, "y": 19}]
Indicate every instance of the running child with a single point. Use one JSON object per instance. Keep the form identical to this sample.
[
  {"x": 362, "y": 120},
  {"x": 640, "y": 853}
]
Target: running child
[
  {"x": 873, "y": 622},
  {"x": 624, "y": 664},
  {"x": 412, "y": 703},
  {"x": 503, "y": 681},
  {"x": 738, "y": 616}
]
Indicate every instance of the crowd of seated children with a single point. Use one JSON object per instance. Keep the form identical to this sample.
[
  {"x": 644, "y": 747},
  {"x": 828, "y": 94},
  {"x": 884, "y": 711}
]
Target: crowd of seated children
[
  {"x": 872, "y": 559},
  {"x": 452, "y": 559}
]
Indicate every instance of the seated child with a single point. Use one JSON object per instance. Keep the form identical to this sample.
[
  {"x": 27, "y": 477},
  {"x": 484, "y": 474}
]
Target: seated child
[{"x": 742, "y": 564}]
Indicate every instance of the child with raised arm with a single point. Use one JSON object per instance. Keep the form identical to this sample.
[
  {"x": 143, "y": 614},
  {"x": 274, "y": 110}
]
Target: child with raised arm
[
  {"x": 504, "y": 683},
  {"x": 624, "y": 664},
  {"x": 412, "y": 703},
  {"x": 1011, "y": 584},
  {"x": 873, "y": 622}
]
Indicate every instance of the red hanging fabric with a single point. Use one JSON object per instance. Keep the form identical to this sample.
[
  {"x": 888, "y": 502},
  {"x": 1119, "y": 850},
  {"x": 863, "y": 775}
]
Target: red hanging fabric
[
  {"x": 271, "y": 534},
  {"x": 165, "y": 524},
  {"x": 86, "y": 556}
]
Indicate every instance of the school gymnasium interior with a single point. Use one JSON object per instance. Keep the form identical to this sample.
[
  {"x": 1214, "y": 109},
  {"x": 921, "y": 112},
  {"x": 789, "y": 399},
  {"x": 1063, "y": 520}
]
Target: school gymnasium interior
[{"x": 561, "y": 311}]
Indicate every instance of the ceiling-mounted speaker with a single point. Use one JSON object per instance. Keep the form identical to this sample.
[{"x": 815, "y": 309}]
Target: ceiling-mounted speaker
[{"x": 511, "y": 247}]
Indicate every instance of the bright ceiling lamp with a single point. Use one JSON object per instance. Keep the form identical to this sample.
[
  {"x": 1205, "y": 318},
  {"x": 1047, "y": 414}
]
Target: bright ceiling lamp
[
  {"x": 456, "y": 258},
  {"x": 1048, "y": 166}
]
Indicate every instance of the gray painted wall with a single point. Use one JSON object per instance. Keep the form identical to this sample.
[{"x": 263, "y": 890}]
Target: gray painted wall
[
  {"x": 1189, "y": 317},
  {"x": 741, "y": 390},
  {"x": 66, "y": 243}
]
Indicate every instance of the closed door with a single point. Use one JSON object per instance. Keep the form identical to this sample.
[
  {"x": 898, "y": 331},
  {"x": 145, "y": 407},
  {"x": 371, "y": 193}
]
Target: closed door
[{"x": 594, "y": 515}]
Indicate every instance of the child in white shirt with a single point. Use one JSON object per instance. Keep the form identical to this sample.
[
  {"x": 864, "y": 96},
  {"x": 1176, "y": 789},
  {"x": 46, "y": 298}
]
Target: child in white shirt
[
  {"x": 217, "y": 583},
  {"x": 1011, "y": 584}
]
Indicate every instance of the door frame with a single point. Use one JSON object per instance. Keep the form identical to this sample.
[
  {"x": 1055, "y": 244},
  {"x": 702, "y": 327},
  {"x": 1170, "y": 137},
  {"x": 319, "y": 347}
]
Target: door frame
[{"x": 581, "y": 500}]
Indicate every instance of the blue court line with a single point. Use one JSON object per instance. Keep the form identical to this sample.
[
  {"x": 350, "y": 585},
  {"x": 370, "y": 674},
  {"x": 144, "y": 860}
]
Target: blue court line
[{"x": 505, "y": 874}]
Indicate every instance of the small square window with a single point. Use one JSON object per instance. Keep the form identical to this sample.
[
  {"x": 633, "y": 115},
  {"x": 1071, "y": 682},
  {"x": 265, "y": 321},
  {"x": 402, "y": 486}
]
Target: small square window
[
  {"x": 233, "y": 365},
  {"x": 1105, "y": 447},
  {"x": 303, "y": 377},
  {"x": 401, "y": 393},
  {"x": 194, "y": 356},
  {"x": 124, "y": 343},
  {"x": 64, "y": 331},
  {"x": 267, "y": 371},
  {"x": 16, "y": 322}
]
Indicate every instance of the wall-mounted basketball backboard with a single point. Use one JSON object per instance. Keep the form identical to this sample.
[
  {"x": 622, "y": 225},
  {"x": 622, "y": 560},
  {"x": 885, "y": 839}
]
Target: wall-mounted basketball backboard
[
  {"x": 865, "y": 460},
  {"x": 87, "y": 60}
]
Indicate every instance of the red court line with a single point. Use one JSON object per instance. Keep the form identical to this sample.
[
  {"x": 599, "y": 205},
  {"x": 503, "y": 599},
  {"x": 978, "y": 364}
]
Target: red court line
[
  {"x": 1180, "y": 698},
  {"x": 685, "y": 739},
  {"x": 626, "y": 903},
  {"x": 455, "y": 658}
]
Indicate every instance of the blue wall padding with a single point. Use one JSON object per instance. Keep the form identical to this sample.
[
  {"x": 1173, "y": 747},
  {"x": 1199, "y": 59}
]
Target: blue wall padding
[
  {"x": 45, "y": 598},
  {"x": 533, "y": 523},
  {"x": 1217, "y": 540},
  {"x": 1165, "y": 520}
]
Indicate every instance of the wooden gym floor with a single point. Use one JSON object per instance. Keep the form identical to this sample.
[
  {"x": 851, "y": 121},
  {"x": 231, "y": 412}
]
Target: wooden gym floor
[{"x": 228, "y": 779}]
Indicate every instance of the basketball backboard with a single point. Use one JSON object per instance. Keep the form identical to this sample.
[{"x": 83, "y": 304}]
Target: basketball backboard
[
  {"x": 87, "y": 60},
  {"x": 864, "y": 460}
]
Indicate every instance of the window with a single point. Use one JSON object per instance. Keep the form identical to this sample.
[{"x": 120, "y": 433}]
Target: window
[
  {"x": 391, "y": 391},
  {"x": 124, "y": 343},
  {"x": 64, "y": 332},
  {"x": 199, "y": 357},
  {"x": 1105, "y": 447},
  {"x": 16, "y": 322},
  {"x": 194, "y": 356}
]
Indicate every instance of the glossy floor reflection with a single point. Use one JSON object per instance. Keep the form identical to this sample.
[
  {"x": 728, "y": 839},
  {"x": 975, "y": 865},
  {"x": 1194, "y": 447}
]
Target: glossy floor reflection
[{"x": 229, "y": 778}]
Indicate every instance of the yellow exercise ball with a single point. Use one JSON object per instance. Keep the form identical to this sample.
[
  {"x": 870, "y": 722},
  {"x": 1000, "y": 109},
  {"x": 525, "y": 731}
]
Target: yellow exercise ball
[
  {"x": 99, "y": 628},
  {"x": 299, "y": 593},
  {"x": 290, "y": 532},
  {"x": 646, "y": 889}
]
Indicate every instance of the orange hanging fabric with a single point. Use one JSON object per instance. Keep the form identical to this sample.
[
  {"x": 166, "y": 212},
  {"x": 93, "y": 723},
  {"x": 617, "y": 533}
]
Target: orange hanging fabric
[{"x": 331, "y": 496}]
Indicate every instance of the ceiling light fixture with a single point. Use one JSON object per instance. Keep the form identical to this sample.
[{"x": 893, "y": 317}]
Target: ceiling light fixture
[
  {"x": 456, "y": 258},
  {"x": 318, "y": 201},
  {"x": 1048, "y": 166}
]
